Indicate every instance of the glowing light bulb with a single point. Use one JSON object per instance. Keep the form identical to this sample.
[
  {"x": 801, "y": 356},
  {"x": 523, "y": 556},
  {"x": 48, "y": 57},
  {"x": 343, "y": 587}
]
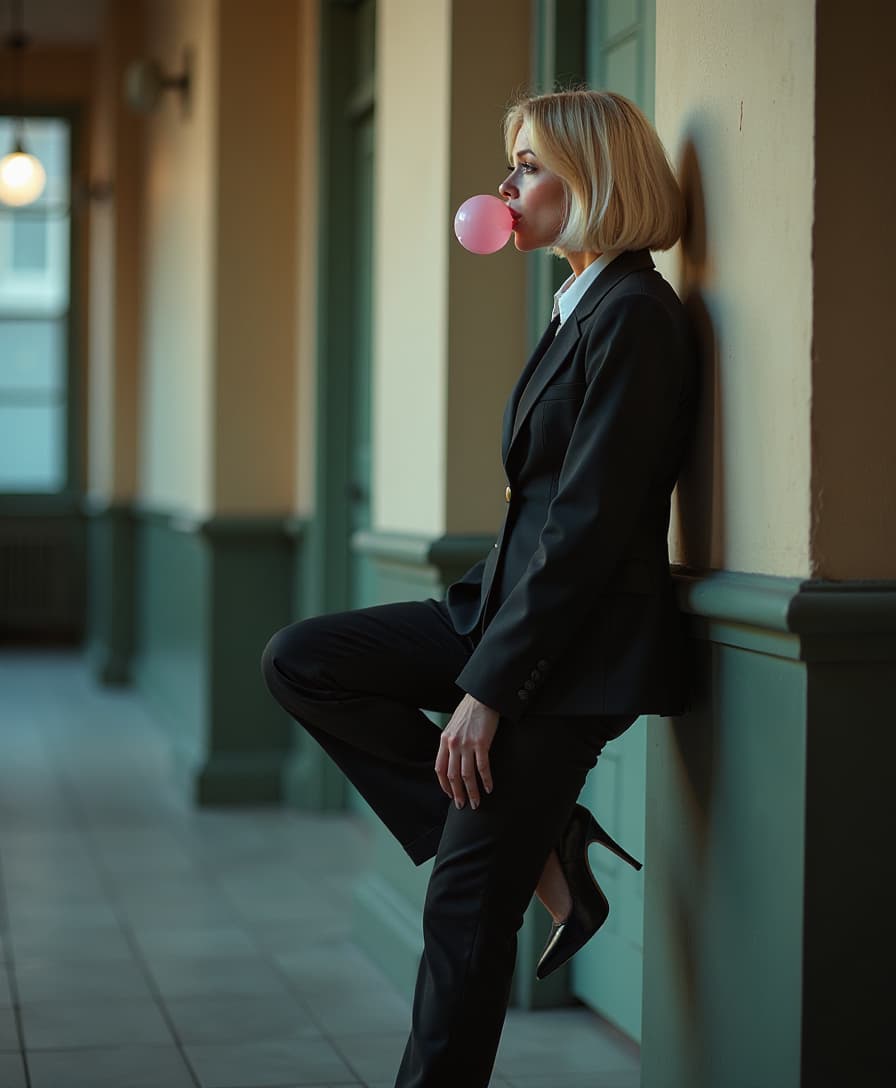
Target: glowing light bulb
[{"x": 22, "y": 178}]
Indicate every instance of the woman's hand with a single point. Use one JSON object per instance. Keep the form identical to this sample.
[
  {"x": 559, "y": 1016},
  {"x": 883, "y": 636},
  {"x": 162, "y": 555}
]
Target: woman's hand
[{"x": 463, "y": 751}]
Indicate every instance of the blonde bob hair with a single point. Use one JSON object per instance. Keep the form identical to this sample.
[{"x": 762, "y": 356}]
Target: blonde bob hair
[{"x": 620, "y": 189}]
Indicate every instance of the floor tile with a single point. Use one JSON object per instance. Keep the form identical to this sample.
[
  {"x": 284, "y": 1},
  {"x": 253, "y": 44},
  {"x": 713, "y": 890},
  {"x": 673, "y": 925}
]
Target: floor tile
[
  {"x": 9, "y": 1034},
  {"x": 85, "y": 980},
  {"x": 336, "y": 968},
  {"x": 263, "y": 1064},
  {"x": 127, "y": 1021},
  {"x": 560, "y": 1042},
  {"x": 12, "y": 1071},
  {"x": 39, "y": 914},
  {"x": 5, "y": 991},
  {"x": 373, "y": 1057},
  {"x": 239, "y": 1019},
  {"x": 578, "y": 1080},
  {"x": 142, "y": 912},
  {"x": 122, "y": 1067},
  {"x": 283, "y": 939},
  {"x": 172, "y": 943},
  {"x": 360, "y": 1012},
  {"x": 59, "y": 942},
  {"x": 197, "y": 975}
]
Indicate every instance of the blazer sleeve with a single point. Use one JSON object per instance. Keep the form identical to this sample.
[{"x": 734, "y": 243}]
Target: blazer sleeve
[{"x": 635, "y": 359}]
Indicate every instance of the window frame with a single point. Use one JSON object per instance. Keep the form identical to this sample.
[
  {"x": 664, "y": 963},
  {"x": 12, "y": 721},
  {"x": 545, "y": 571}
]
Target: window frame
[{"x": 70, "y": 496}]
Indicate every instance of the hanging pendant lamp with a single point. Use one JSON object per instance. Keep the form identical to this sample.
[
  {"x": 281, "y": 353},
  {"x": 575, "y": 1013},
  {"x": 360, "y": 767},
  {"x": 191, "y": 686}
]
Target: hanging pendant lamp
[{"x": 22, "y": 175}]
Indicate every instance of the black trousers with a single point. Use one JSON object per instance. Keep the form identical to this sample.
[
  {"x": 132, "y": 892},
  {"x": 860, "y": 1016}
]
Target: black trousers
[{"x": 357, "y": 682}]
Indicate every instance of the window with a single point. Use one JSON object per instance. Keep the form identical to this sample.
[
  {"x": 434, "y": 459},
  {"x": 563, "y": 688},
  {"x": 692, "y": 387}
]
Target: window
[{"x": 34, "y": 319}]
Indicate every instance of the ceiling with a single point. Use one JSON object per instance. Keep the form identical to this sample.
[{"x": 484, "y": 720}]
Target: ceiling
[{"x": 55, "y": 22}]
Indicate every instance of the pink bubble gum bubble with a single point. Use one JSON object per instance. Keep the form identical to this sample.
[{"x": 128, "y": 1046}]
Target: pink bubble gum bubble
[{"x": 483, "y": 224}]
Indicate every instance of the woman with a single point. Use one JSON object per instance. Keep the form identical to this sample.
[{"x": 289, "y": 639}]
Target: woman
[{"x": 566, "y": 632}]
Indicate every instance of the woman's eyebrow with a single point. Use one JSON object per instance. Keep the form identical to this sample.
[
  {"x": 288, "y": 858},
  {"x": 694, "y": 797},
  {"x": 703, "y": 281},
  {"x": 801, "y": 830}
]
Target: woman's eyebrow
[{"x": 524, "y": 151}]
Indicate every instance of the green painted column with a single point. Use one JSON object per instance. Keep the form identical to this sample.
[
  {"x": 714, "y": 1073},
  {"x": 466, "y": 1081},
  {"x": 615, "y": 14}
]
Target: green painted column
[
  {"x": 111, "y": 537},
  {"x": 768, "y": 877},
  {"x": 210, "y": 594}
]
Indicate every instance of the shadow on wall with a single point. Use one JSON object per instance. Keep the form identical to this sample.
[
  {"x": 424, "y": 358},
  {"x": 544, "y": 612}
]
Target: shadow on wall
[
  {"x": 694, "y": 741},
  {"x": 699, "y": 492}
]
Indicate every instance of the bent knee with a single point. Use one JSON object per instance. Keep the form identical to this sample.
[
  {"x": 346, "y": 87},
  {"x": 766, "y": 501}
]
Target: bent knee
[{"x": 293, "y": 654}]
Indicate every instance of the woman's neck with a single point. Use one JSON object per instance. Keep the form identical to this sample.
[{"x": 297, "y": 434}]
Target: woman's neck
[{"x": 578, "y": 262}]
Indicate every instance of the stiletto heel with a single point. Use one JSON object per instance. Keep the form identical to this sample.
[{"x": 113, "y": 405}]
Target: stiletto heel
[
  {"x": 597, "y": 834},
  {"x": 590, "y": 907}
]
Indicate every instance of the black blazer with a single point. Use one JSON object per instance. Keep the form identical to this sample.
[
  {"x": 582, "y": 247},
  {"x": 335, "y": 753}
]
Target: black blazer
[{"x": 574, "y": 603}]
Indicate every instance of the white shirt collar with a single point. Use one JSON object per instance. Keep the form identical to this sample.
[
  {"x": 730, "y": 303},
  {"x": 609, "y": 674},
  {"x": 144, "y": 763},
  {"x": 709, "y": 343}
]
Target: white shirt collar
[{"x": 570, "y": 292}]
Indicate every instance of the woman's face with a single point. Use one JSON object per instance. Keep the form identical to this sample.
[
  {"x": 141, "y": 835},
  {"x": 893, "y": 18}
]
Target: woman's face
[{"x": 535, "y": 196}]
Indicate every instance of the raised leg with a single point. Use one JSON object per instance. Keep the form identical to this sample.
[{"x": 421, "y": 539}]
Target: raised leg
[{"x": 356, "y": 681}]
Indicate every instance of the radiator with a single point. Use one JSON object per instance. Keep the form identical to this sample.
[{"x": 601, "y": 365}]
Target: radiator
[{"x": 42, "y": 577}]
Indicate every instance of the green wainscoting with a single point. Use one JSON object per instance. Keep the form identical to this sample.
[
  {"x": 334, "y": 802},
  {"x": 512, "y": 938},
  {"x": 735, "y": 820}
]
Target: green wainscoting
[
  {"x": 311, "y": 782},
  {"x": 111, "y": 590},
  {"x": 768, "y": 873},
  {"x": 209, "y": 595}
]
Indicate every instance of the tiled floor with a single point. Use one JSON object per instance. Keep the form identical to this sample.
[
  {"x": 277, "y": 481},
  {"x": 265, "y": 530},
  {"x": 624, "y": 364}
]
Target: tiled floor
[{"x": 146, "y": 944}]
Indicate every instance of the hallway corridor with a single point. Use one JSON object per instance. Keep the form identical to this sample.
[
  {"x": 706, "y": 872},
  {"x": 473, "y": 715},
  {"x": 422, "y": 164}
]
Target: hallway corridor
[{"x": 146, "y": 944}]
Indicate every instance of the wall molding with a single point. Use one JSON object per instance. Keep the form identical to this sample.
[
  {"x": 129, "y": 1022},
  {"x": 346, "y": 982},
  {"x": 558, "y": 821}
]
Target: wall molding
[
  {"x": 446, "y": 556},
  {"x": 802, "y": 619}
]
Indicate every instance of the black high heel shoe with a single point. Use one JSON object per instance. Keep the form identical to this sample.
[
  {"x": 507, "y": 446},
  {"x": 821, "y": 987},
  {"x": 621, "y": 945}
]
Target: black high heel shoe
[{"x": 590, "y": 906}]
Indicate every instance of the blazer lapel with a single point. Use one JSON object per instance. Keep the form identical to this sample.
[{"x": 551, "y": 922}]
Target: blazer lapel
[
  {"x": 547, "y": 338},
  {"x": 541, "y": 369}
]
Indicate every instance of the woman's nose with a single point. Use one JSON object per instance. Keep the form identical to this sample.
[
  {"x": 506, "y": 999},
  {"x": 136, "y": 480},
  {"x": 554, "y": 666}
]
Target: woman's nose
[{"x": 507, "y": 189}]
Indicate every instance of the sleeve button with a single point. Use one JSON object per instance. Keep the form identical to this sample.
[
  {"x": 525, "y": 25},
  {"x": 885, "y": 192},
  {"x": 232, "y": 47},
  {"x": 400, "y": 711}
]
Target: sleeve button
[
  {"x": 524, "y": 695},
  {"x": 529, "y": 685},
  {"x": 536, "y": 675},
  {"x": 544, "y": 665}
]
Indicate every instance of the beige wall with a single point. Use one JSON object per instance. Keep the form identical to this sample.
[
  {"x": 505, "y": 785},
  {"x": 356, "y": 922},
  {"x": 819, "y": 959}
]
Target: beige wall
[
  {"x": 307, "y": 72},
  {"x": 486, "y": 295},
  {"x": 116, "y": 222},
  {"x": 448, "y": 327},
  {"x": 176, "y": 402},
  {"x": 735, "y": 80},
  {"x": 217, "y": 394},
  {"x": 853, "y": 356},
  {"x": 253, "y": 454},
  {"x": 411, "y": 239}
]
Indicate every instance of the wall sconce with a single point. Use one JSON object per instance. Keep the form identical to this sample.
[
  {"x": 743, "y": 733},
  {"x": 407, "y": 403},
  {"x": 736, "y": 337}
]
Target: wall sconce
[{"x": 145, "y": 83}]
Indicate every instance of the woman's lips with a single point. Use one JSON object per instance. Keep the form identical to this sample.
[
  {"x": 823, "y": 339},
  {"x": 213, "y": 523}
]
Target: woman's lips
[{"x": 515, "y": 216}]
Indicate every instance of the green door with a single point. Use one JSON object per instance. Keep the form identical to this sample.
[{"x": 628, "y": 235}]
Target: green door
[
  {"x": 337, "y": 577},
  {"x": 361, "y": 582},
  {"x": 607, "y": 973}
]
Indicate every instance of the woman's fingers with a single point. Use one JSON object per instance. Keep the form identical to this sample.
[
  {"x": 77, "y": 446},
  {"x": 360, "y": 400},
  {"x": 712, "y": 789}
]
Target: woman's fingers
[
  {"x": 442, "y": 768},
  {"x": 456, "y": 769},
  {"x": 448, "y": 768},
  {"x": 484, "y": 768},
  {"x": 463, "y": 756},
  {"x": 468, "y": 776}
]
